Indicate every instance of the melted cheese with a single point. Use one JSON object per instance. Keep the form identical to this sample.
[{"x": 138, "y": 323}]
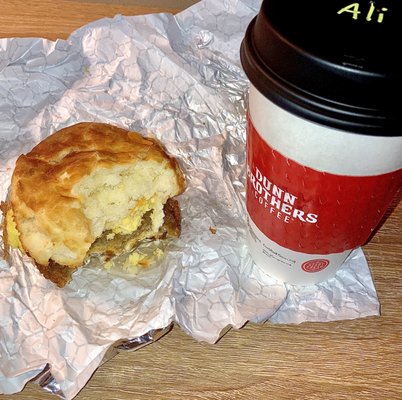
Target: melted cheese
[{"x": 13, "y": 235}]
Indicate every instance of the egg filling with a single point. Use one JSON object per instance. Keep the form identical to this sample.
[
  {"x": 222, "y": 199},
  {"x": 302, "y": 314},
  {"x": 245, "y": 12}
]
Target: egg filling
[{"x": 116, "y": 200}]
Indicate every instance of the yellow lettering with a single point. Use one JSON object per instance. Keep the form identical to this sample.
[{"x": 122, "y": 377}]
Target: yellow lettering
[
  {"x": 381, "y": 15},
  {"x": 370, "y": 12},
  {"x": 351, "y": 8}
]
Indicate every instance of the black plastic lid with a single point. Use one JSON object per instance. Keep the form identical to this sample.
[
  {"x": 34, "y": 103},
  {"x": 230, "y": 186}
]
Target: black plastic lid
[{"x": 335, "y": 62}]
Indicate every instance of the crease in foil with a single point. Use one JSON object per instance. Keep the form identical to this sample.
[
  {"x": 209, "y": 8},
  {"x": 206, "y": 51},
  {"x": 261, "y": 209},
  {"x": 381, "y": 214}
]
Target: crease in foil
[
  {"x": 177, "y": 78},
  {"x": 46, "y": 380}
]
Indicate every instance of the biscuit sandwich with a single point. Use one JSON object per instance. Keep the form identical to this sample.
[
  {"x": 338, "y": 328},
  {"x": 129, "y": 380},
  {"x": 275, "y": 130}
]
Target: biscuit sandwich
[{"x": 90, "y": 189}]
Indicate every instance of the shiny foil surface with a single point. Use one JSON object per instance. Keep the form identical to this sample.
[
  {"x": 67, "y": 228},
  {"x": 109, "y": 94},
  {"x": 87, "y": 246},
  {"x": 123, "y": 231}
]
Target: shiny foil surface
[{"x": 177, "y": 78}]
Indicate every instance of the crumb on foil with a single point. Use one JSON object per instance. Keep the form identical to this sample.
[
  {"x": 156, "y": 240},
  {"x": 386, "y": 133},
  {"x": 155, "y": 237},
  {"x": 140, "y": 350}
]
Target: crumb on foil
[{"x": 135, "y": 261}]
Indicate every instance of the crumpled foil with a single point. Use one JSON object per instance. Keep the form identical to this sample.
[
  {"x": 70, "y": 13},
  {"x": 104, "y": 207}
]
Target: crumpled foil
[{"x": 178, "y": 78}]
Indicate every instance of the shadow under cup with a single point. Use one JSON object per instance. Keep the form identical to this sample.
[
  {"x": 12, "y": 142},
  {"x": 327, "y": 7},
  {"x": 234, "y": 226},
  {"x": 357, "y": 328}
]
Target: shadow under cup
[{"x": 324, "y": 144}]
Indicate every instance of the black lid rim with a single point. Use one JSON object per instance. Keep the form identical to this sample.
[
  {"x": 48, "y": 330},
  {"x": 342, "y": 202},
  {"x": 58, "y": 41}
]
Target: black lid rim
[{"x": 345, "y": 117}]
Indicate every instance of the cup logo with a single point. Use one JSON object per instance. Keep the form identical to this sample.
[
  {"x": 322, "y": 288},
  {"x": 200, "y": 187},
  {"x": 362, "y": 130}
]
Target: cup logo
[
  {"x": 279, "y": 202},
  {"x": 315, "y": 265}
]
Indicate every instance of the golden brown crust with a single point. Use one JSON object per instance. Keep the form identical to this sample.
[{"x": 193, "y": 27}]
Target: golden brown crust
[
  {"x": 62, "y": 159},
  {"x": 41, "y": 186},
  {"x": 4, "y": 207}
]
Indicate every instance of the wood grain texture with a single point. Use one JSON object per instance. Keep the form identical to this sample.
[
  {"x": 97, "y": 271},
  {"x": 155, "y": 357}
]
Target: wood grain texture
[
  {"x": 351, "y": 360},
  {"x": 57, "y": 19}
]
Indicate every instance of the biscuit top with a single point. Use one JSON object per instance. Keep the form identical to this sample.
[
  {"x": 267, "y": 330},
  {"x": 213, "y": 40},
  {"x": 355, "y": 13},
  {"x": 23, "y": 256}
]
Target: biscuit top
[{"x": 49, "y": 213}]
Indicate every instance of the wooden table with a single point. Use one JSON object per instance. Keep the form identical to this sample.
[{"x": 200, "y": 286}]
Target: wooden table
[{"x": 360, "y": 359}]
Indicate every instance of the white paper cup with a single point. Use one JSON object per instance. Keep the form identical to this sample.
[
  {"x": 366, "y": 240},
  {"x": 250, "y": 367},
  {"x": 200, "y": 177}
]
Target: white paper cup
[
  {"x": 323, "y": 161},
  {"x": 313, "y": 193}
]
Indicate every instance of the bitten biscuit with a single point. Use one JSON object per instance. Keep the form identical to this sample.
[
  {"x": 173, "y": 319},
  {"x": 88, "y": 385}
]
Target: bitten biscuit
[{"x": 90, "y": 188}]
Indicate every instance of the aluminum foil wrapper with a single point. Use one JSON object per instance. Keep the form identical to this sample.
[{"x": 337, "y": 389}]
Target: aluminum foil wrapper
[{"x": 178, "y": 78}]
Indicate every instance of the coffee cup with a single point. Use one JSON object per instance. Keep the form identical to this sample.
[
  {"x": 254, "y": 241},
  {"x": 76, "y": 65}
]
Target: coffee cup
[{"x": 324, "y": 141}]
